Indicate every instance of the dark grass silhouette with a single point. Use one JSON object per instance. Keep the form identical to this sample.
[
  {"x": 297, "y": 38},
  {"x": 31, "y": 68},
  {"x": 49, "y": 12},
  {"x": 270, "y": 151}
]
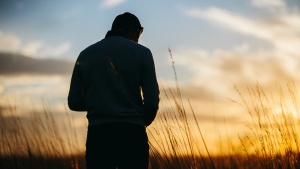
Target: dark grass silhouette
[{"x": 271, "y": 141}]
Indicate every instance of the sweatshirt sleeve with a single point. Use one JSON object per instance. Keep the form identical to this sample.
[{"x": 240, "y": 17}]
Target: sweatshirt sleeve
[
  {"x": 76, "y": 100},
  {"x": 150, "y": 88}
]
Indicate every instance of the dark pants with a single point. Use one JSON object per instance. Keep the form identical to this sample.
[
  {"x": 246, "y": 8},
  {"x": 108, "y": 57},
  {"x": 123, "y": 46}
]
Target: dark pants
[{"x": 117, "y": 145}]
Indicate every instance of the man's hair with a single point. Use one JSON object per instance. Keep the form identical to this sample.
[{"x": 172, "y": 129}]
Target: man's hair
[{"x": 126, "y": 22}]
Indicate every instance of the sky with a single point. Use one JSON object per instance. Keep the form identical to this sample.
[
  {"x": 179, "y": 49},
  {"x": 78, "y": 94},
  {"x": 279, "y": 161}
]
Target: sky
[{"x": 216, "y": 45}]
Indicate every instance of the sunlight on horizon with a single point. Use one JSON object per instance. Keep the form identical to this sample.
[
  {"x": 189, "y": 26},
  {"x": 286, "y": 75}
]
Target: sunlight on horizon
[{"x": 230, "y": 88}]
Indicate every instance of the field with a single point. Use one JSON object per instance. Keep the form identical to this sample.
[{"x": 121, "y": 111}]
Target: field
[{"x": 176, "y": 138}]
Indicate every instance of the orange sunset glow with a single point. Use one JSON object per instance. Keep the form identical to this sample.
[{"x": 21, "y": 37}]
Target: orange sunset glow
[{"x": 228, "y": 74}]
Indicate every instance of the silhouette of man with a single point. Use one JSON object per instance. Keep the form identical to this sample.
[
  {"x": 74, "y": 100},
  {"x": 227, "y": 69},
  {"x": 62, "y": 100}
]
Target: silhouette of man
[{"x": 114, "y": 80}]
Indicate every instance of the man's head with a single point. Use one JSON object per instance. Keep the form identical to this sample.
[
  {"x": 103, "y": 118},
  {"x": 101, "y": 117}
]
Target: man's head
[{"x": 129, "y": 24}]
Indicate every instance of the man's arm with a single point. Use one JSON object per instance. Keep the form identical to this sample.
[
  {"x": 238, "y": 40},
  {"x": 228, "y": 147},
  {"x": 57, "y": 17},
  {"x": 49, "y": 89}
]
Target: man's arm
[
  {"x": 76, "y": 94},
  {"x": 150, "y": 88}
]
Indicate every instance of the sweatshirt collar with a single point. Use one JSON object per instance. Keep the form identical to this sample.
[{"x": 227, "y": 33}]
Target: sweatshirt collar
[{"x": 115, "y": 33}]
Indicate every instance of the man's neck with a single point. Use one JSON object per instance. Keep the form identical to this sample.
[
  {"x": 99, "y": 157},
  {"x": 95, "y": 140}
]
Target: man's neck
[{"x": 116, "y": 33}]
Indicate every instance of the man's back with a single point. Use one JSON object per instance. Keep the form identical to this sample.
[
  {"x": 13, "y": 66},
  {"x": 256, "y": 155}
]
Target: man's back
[
  {"x": 107, "y": 82},
  {"x": 113, "y": 72}
]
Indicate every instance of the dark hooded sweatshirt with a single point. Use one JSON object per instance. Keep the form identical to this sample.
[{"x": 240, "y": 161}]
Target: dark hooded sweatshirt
[{"x": 114, "y": 80}]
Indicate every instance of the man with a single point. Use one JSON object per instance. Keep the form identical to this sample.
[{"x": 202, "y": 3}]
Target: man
[{"x": 107, "y": 82}]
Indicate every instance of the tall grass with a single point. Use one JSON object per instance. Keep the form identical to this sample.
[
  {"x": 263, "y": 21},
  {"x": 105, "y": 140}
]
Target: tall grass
[
  {"x": 273, "y": 135},
  {"x": 177, "y": 140},
  {"x": 174, "y": 145},
  {"x": 270, "y": 142},
  {"x": 38, "y": 141}
]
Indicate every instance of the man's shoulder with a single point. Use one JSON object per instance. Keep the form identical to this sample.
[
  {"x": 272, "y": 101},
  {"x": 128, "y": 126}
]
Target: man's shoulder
[
  {"x": 118, "y": 41},
  {"x": 138, "y": 47},
  {"x": 142, "y": 47},
  {"x": 122, "y": 40},
  {"x": 91, "y": 47}
]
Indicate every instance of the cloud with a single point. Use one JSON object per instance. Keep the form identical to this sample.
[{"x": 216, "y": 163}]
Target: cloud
[
  {"x": 268, "y": 3},
  {"x": 16, "y": 64},
  {"x": 39, "y": 50},
  {"x": 1, "y": 89},
  {"x": 31, "y": 49},
  {"x": 215, "y": 74},
  {"x": 111, "y": 3},
  {"x": 282, "y": 30},
  {"x": 230, "y": 20},
  {"x": 215, "y": 71},
  {"x": 60, "y": 50},
  {"x": 9, "y": 43},
  {"x": 30, "y": 92}
]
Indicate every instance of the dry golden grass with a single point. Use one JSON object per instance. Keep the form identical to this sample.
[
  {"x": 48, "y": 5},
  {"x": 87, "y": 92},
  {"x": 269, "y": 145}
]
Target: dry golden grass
[{"x": 270, "y": 141}]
